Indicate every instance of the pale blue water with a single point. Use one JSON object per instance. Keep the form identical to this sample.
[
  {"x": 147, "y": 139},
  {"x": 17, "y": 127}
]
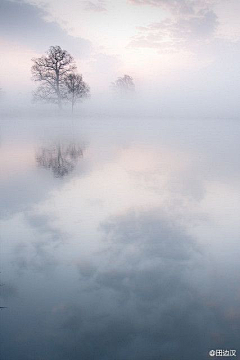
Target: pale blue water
[{"x": 119, "y": 238}]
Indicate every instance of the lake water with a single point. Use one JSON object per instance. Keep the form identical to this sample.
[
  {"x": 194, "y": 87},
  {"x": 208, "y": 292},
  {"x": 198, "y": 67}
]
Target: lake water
[{"x": 119, "y": 238}]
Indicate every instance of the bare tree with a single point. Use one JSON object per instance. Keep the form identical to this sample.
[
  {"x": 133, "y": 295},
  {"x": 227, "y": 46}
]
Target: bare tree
[
  {"x": 123, "y": 85},
  {"x": 76, "y": 88},
  {"x": 51, "y": 70},
  {"x": 60, "y": 158}
]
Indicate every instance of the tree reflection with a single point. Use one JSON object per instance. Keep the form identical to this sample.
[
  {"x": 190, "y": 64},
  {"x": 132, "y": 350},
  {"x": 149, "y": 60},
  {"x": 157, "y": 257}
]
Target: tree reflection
[{"x": 60, "y": 158}]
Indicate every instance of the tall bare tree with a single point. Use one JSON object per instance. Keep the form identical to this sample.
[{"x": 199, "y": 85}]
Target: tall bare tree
[
  {"x": 51, "y": 70},
  {"x": 123, "y": 85},
  {"x": 76, "y": 88}
]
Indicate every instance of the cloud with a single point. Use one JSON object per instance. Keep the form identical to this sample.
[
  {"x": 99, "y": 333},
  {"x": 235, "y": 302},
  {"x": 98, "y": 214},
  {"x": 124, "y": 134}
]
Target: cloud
[
  {"x": 167, "y": 239},
  {"x": 43, "y": 224},
  {"x": 8, "y": 291},
  {"x": 37, "y": 256},
  {"x": 25, "y": 24},
  {"x": 177, "y": 6},
  {"x": 140, "y": 301},
  {"x": 183, "y": 5},
  {"x": 38, "y": 253},
  {"x": 95, "y": 7},
  {"x": 177, "y": 33},
  {"x": 21, "y": 192},
  {"x": 143, "y": 297},
  {"x": 142, "y": 289}
]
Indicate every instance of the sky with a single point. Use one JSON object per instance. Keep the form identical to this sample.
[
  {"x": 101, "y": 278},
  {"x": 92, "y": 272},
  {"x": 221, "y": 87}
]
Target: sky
[{"x": 175, "y": 48}]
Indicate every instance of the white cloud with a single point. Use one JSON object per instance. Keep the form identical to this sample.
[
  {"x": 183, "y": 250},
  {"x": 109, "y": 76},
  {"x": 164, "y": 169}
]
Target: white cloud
[
  {"x": 95, "y": 6},
  {"x": 178, "y": 33}
]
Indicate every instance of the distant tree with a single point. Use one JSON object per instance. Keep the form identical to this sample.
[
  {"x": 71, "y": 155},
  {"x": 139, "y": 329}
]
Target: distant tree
[
  {"x": 51, "y": 70},
  {"x": 76, "y": 88},
  {"x": 60, "y": 158},
  {"x": 123, "y": 85}
]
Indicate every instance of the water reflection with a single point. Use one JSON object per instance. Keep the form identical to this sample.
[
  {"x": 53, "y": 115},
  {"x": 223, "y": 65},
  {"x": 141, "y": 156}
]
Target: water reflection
[
  {"x": 60, "y": 158},
  {"x": 135, "y": 257}
]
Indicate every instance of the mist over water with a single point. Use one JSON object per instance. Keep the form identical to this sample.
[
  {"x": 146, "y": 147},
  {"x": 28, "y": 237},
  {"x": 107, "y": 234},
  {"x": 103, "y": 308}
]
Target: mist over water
[
  {"x": 119, "y": 179},
  {"x": 119, "y": 237}
]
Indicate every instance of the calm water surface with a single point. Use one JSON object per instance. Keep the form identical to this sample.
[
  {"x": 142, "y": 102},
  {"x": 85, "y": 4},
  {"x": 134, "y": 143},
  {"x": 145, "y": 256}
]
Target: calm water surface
[{"x": 119, "y": 238}]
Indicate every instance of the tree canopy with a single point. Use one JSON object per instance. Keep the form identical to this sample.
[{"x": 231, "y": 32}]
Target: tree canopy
[
  {"x": 123, "y": 85},
  {"x": 56, "y": 72},
  {"x": 76, "y": 88}
]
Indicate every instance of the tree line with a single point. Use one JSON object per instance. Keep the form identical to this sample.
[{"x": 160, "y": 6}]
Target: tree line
[{"x": 60, "y": 81}]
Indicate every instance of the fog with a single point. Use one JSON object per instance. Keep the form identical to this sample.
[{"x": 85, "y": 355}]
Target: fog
[
  {"x": 131, "y": 254},
  {"x": 184, "y": 66},
  {"x": 120, "y": 220}
]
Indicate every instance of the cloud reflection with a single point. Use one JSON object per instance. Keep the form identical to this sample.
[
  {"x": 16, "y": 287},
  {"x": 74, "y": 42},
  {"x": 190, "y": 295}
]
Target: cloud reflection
[{"x": 140, "y": 301}]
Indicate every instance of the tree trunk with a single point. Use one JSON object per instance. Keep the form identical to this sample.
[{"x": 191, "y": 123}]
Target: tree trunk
[
  {"x": 59, "y": 102},
  {"x": 73, "y": 101},
  {"x": 58, "y": 91}
]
